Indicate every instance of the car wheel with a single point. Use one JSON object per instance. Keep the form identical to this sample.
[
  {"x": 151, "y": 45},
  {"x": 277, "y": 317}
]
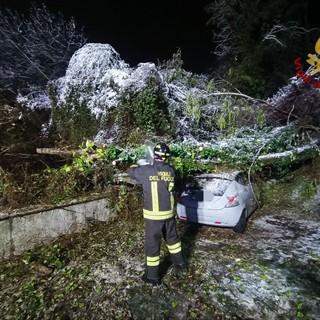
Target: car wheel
[{"x": 240, "y": 227}]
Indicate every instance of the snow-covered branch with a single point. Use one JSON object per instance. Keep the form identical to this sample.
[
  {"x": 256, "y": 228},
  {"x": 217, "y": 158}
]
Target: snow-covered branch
[
  {"x": 314, "y": 145},
  {"x": 36, "y": 48},
  {"x": 278, "y": 30}
]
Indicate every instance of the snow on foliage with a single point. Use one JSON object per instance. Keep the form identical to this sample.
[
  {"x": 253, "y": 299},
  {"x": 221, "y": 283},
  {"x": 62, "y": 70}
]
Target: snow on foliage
[
  {"x": 281, "y": 94},
  {"x": 102, "y": 78},
  {"x": 99, "y": 79},
  {"x": 35, "y": 100},
  {"x": 89, "y": 63},
  {"x": 95, "y": 71}
]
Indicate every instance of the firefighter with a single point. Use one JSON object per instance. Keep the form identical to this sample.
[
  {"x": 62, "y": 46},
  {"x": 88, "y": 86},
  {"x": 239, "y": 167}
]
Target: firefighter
[{"x": 158, "y": 180}]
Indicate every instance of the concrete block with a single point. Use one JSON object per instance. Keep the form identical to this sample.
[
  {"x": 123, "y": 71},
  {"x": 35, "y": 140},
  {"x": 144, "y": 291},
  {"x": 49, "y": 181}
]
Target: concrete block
[{"x": 5, "y": 238}]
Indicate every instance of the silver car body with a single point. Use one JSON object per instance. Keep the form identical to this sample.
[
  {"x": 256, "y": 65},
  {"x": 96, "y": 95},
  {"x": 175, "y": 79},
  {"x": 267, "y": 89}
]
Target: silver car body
[{"x": 217, "y": 199}]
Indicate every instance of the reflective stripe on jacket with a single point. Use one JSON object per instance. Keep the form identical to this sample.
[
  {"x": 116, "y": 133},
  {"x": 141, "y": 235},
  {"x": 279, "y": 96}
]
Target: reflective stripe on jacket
[{"x": 158, "y": 182}]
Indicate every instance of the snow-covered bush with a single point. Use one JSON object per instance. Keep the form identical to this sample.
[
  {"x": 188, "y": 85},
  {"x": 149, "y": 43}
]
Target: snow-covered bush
[
  {"x": 95, "y": 75},
  {"x": 113, "y": 99},
  {"x": 144, "y": 114}
]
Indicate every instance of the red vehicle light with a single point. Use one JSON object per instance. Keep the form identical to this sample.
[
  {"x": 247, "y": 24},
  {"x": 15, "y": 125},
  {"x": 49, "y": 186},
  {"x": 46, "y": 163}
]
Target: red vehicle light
[
  {"x": 183, "y": 218},
  {"x": 232, "y": 202}
]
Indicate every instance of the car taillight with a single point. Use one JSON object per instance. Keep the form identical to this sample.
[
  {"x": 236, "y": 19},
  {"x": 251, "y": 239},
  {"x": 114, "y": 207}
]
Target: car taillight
[{"x": 232, "y": 202}]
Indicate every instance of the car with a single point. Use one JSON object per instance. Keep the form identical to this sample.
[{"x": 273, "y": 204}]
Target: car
[{"x": 218, "y": 199}]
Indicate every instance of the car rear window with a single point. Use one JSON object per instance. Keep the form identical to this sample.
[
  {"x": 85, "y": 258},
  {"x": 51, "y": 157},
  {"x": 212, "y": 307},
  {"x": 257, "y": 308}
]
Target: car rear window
[{"x": 217, "y": 186}]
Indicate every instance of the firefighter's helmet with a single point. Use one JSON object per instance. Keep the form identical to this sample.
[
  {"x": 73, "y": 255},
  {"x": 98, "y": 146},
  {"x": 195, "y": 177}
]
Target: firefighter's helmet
[{"x": 161, "y": 152}]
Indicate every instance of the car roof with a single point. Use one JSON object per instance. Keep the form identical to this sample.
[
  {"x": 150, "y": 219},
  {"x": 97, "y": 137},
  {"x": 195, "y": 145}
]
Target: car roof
[{"x": 228, "y": 175}]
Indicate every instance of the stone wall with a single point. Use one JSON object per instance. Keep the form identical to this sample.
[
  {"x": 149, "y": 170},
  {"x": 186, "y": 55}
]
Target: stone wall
[{"x": 24, "y": 230}]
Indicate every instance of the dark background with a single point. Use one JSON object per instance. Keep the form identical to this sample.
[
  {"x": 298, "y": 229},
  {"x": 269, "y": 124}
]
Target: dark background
[
  {"x": 140, "y": 31},
  {"x": 147, "y": 31}
]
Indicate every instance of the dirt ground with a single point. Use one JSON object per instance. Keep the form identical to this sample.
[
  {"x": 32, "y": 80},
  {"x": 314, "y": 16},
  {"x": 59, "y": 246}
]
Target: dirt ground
[{"x": 272, "y": 271}]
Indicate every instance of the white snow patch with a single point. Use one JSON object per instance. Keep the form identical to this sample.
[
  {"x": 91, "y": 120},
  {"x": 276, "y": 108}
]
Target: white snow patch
[
  {"x": 35, "y": 100},
  {"x": 100, "y": 78},
  {"x": 270, "y": 284}
]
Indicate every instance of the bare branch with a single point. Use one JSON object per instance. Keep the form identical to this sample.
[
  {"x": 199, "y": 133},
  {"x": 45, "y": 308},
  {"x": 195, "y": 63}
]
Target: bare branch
[
  {"x": 36, "y": 48},
  {"x": 277, "y": 30}
]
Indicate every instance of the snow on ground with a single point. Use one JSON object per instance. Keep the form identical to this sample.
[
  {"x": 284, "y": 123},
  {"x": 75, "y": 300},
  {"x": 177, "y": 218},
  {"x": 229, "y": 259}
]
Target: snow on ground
[{"x": 271, "y": 272}]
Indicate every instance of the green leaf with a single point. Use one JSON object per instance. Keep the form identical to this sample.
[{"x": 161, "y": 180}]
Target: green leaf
[{"x": 263, "y": 276}]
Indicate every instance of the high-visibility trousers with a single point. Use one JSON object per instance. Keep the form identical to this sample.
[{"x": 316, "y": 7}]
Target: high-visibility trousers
[{"x": 154, "y": 231}]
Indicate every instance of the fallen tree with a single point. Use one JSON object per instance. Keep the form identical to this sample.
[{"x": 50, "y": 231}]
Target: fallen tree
[{"x": 300, "y": 154}]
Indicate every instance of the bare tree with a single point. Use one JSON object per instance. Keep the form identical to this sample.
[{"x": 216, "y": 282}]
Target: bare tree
[
  {"x": 278, "y": 34},
  {"x": 232, "y": 25},
  {"x": 35, "y": 48},
  {"x": 256, "y": 41}
]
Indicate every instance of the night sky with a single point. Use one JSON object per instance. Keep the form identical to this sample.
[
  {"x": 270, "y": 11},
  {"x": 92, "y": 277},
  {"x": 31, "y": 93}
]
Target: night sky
[
  {"x": 146, "y": 30},
  {"x": 140, "y": 31}
]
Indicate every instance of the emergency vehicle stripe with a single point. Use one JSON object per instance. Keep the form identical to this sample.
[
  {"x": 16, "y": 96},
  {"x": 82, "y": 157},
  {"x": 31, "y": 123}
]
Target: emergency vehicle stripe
[
  {"x": 174, "y": 248},
  {"x": 159, "y": 215},
  {"x": 153, "y": 261},
  {"x": 154, "y": 195}
]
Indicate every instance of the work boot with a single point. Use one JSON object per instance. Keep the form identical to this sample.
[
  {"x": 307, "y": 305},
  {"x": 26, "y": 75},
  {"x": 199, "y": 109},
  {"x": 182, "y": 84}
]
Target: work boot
[
  {"x": 154, "y": 282},
  {"x": 181, "y": 270}
]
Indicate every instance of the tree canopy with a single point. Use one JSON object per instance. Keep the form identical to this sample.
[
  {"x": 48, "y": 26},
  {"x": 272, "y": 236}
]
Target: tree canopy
[
  {"x": 257, "y": 41},
  {"x": 35, "y": 48}
]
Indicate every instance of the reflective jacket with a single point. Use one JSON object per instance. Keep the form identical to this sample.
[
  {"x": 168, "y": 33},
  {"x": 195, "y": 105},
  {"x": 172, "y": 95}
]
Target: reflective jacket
[{"x": 158, "y": 183}]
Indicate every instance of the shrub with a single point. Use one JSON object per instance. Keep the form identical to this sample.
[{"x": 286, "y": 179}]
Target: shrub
[
  {"x": 147, "y": 110},
  {"x": 73, "y": 121}
]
